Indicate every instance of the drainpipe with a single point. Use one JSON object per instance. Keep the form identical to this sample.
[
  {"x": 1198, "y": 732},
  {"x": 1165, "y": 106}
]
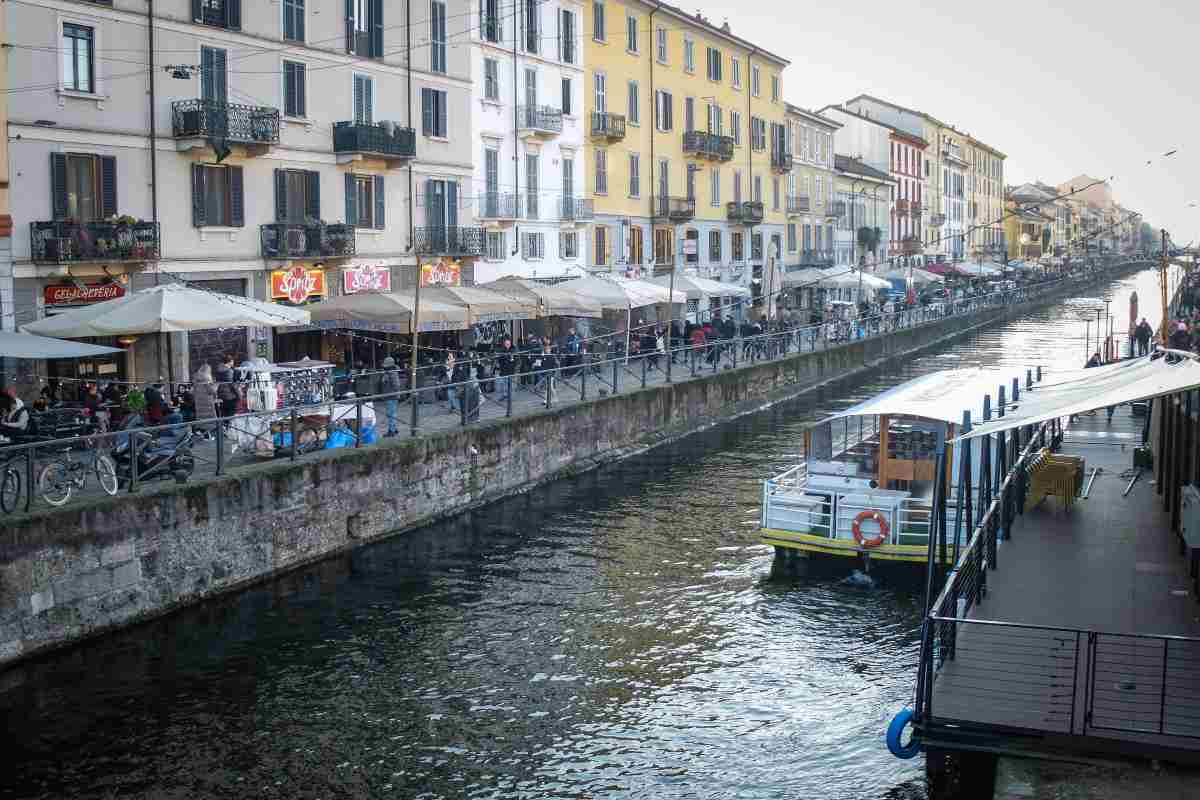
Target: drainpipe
[
  {"x": 749, "y": 157},
  {"x": 654, "y": 178},
  {"x": 154, "y": 185},
  {"x": 519, "y": 14},
  {"x": 408, "y": 74}
]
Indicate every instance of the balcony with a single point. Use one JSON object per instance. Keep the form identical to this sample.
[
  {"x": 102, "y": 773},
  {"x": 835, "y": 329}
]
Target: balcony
[
  {"x": 69, "y": 242},
  {"x": 781, "y": 161},
  {"x": 937, "y": 220},
  {"x": 453, "y": 241},
  {"x": 610, "y": 127},
  {"x": 675, "y": 209},
  {"x": 914, "y": 209},
  {"x": 388, "y": 142},
  {"x": 911, "y": 246},
  {"x": 836, "y": 210},
  {"x": 500, "y": 207},
  {"x": 798, "y": 205},
  {"x": 202, "y": 124},
  {"x": 902, "y": 206},
  {"x": 744, "y": 213},
  {"x": 816, "y": 258},
  {"x": 539, "y": 121},
  {"x": 708, "y": 145},
  {"x": 576, "y": 209},
  {"x": 285, "y": 240}
]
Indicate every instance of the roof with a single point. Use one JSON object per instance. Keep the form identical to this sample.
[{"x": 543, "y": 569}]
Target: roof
[
  {"x": 715, "y": 30},
  {"x": 928, "y": 117},
  {"x": 811, "y": 116},
  {"x": 942, "y": 395},
  {"x": 855, "y": 167},
  {"x": 898, "y": 131}
]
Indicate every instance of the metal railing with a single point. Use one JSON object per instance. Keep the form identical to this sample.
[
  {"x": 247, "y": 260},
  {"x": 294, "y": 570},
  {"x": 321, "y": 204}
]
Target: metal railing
[
  {"x": 708, "y": 145},
  {"x": 799, "y": 205},
  {"x": 745, "y": 212},
  {"x": 356, "y": 137},
  {"x": 500, "y": 205},
  {"x": 781, "y": 161},
  {"x": 65, "y": 242},
  {"x": 232, "y": 122},
  {"x": 448, "y": 241},
  {"x": 676, "y": 209},
  {"x": 302, "y": 240},
  {"x": 576, "y": 209},
  {"x": 540, "y": 119},
  {"x": 608, "y": 125}
]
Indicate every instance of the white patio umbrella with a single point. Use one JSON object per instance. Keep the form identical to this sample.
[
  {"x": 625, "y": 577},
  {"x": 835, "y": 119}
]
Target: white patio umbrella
[
  {"x": 622, "y": 294},
  {"x": 26, "y": 345},
  {"x": 168, "y": 308}
]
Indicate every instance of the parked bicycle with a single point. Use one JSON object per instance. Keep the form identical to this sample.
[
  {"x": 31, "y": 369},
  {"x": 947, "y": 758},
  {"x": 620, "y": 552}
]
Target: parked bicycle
[{"x": 64, "y": 475}]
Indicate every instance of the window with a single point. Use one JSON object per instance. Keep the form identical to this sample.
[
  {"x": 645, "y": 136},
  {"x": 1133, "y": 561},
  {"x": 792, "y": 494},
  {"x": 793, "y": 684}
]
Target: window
[
  {"x": 791, "y": 237},
  {"x": 758, "y": 133},
  {"x": 219, "y": 13},
  {"x": 364, "y": 100},
  {"x": 738, "y": 245},
  {"x": 775, "y": 194},
  {"x": 691, "y": 253},
  {"x": 533, "y": 246},
  {"x": 490, "y": 26},
  {"x": 714, "y": 64},
  {"x": 365, "y": 200},
  {"x": 714, "y": 178},
  {"x": 737, "y": 186},
  {"x": 293, "y": 20},
  {"x": 79, "y": 58},
  {"x": 634, "y": 104},
  {"x": 820, "y": 197},
  {"x": 600, "y": 85},
  {"x": 600, "y": 252},
  {"x": 756, "y": 247},
  {"x": 566, "y": 37},
  {"x": 566, "y": 97},
  {"x": 217, "y": 196},
  {"x": 775, "y": 88},
  {"x": 491, "y": 79},
  {"x": 754, "y": 80},
  {"x": 297, "y": 195},
  {"x": 689, "y": 55},
  {"x": 598, "y": 21},
  {"x": 808, "y": 237},
  {"x": 532, "y": 185},
  {"x": 637, "y": 247},
  {"x": 758, "y": 188},
  {"x": 631, "y": 40},
  {"x": 689, "y": 114},
  {"x": 84, "y": 187},
  {"x": 568, "y": 177},
  {"x": 533, "y": 28},
  {"x": 213, "y": 83},
  {"x": 568, "y": 244},
  {"x": 714, "y": 247},
  {"x": 495, "y": 246},
  {"x": 735, "y": 122},
  {"x": 690, "y": 180},
  {"x": 635, "y": 175},
  {"x": 437, "y": 36},
  {"x": 664, "y": 252},
  {"x": 433, "y": 112},
  {"x": 735, "y": 68},
  {"x": 661, "y": 39},
  {"x": 294, "y": 101},
  {"x": 663, "y": 111},
  {"x": 601, "y": 172},
  {"x": 364, "y": 28}
]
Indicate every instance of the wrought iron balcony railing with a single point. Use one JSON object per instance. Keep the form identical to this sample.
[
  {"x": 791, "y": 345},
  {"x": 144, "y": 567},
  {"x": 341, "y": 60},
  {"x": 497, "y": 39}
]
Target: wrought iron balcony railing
[
  {"x": 232, "y": 122},
  {"x": 576, "y": 209},
  {"x": 708, "y": 145},
  {"x": 816, "y": 258},
  {"x": 448, "y": 241},
  {"x": 608, "y": 126},
  {"x": 799, "y": 205},
  {"x": 675, "y": 209},
  {"x": 391, "y": 142},
  {"x": 500, "y": 206},
  {"x": 745, "y": 213},
  {"x": 305, "y": 240},
  {"x": 540, "y": 119},
  {"x": 66, "y": 242},
  {"x": 781, "y": 161}
]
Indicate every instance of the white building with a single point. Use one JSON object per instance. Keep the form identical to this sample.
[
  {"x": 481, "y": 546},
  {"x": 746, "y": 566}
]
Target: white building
[
  {"x": 954, "y": 194},
  {"x": 866, "y": 141},
  {"x": 527, "y": 135},
  {"x": 269, "y": 146}
]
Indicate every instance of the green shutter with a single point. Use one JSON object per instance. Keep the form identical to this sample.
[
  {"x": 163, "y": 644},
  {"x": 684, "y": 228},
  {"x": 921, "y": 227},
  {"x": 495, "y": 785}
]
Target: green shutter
[
  {"x": 199, "y": 210},
  {"x": 351, "y": 200},
  {"x": 380, "y": 202}
]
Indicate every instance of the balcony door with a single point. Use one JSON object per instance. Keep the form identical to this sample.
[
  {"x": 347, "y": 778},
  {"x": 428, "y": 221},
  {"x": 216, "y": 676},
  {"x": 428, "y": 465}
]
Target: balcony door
[
  {"x": 491, "y": 177},
  {"x": 568, "y": 178},
  {"x": 364, "y": 100},
  {"x": 531, "y": 90},
  {"x": 441, "y": 212}
]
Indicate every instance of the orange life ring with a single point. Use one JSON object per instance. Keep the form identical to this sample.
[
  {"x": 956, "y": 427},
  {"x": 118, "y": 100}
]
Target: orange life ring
[{"x": 880, "y": 520}]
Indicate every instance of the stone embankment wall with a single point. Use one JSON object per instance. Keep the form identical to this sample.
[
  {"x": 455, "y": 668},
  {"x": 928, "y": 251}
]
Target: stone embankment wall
[{"x": 91, "y": 567}]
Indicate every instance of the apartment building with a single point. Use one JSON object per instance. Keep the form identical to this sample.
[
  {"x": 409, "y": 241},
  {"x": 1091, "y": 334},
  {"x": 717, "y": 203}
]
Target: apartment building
[
  {"x": 866, "y": 142},
  {"x": 687, "y": 154},
  {"x": 864, "y": 192},
  {"x": 985, "y": 203},
  {"x": 528, "y": 130},
  {"x": 812, "y": 208},
  {"x": 282, "y": 151},
  {"x": 908, "y": 173}
]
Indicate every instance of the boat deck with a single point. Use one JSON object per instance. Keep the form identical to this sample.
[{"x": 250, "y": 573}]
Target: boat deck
[{"x": 1101, "y": 585}]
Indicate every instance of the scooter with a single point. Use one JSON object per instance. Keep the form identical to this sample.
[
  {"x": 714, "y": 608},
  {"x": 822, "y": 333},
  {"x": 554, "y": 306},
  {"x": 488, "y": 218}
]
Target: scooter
[{"x": 162, "y": 454}]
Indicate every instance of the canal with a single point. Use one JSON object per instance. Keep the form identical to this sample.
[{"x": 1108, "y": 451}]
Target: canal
[{"x": 614, "y": 636}]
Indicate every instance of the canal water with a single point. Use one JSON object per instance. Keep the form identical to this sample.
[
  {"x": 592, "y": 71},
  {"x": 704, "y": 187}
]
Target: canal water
[{"x": 611, "y": 636}]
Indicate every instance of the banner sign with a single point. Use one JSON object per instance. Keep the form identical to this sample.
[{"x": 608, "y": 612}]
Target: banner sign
[
  {"x": 366, "y": 279},
  {"x": 68, "y": 294},
  {"x": 440, "y": 274},
  {"x": 297, "y": 285}
]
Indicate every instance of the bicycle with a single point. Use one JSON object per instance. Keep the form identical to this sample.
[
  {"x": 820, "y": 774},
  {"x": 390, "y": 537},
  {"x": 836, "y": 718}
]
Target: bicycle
[{"x": 63, "y": 475}]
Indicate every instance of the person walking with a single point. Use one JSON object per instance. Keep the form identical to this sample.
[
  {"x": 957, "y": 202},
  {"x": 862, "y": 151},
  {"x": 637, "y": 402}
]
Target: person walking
[
  {"x": 506, "y": 365},
  {"x": 204, "y": 397},
  {"x": 389, "y": 384},
  {"x": 453, "y": 375},
  {"x": 572, "y": 348},
  {"x": 227, "y": 394},
  {"x": 1142, "y": 333},
  {"x": 545, "y": 363}
]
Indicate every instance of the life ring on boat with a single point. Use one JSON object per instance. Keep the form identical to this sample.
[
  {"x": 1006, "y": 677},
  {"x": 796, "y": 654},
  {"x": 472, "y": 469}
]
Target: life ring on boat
[
  {"x": 895, "y": 736},
  {"x": 880, "y": 520}
]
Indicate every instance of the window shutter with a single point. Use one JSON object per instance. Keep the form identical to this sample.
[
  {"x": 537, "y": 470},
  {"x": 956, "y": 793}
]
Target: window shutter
[
  {"x": 358, "y": 99},
  {"x": 237, "y": 198},
  {"x": 58, "y": 184},
  {"x": 427, "y": 112},
  {"x": 351, "y": 200},
  {"x": 301, "y": 90},
  {"x": 313, "y": 181},
  {"x": 197, "y": 11},
  {"x": 558, "y": 32},
  {"x": 452, "y": 204},
  {"x": 233, "y": 14},
  {"x": 108, "y": 186},
  {"x": 289, "y": 89},
  {"x": 349, "y": 26},
  {"x": 199, "y": 211},
  {"x": 442, "y": 123},
  {"x": 380, "y": 202},
  {"x": 376, "y": 23},
  {"x": 430, "y": 219},
  {"x": 281, "y": 210},
  {"x": 368, "y": 101}
]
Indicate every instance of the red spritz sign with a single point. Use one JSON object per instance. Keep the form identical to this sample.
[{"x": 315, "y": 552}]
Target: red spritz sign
[{"x": 297, "y": 284}]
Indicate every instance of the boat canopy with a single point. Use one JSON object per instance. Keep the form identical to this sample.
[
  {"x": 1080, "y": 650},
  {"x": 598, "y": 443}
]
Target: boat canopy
[
  {"x": 942, "y": 395},
  {"x": 1083, "y": 390}
]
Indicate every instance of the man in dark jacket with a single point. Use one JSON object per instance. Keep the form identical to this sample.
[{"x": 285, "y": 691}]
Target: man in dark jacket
[
  {"x": 1142, "y": 334},
  {"x": 227, "y": 394},
  {"x": 506, "y": 365}
]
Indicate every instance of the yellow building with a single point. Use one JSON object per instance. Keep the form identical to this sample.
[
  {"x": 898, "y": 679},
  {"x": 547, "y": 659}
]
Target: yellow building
[
  {"x": 985, "y": 187},
  {"x": 687, "y": 156},
  {"x": 812, "y": 208},
  {"x": 1027, "y": 231}
]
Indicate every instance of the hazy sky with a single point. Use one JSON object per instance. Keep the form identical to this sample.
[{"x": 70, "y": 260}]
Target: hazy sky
[{"x": 1061, "y": 88}]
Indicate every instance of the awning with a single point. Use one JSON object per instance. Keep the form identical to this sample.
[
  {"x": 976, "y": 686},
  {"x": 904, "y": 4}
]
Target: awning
[
  {"x": 482, "y": 305},
  {"x": 553, "y": 300},
  {"x": 697, "y": 288},
  {"x": 387, "y": 313},
  {"x": 919, "y": 276},
  {"x": 1079, "y": 391},
  {"x": 942, "y": 395},
  {"x": 26, "y": 345},
  {"x": 619, "y": 294}
]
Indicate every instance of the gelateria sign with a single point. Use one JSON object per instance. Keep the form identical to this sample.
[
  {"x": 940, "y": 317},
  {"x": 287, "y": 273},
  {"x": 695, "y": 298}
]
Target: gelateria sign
[
  {"x": 297, "y": 285},
  {"x": 441, "y": 273},
  {"x": 69, "y": 294},
  {"x": 366, "y": 279}
]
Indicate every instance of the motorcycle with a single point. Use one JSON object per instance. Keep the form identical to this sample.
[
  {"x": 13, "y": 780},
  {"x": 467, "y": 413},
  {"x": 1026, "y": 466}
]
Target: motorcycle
[{"x": 161, "y": 454}]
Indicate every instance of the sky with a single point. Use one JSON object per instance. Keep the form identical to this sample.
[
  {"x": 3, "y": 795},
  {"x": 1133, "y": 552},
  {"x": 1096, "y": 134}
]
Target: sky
[{"x": 1062, "y": 88}]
